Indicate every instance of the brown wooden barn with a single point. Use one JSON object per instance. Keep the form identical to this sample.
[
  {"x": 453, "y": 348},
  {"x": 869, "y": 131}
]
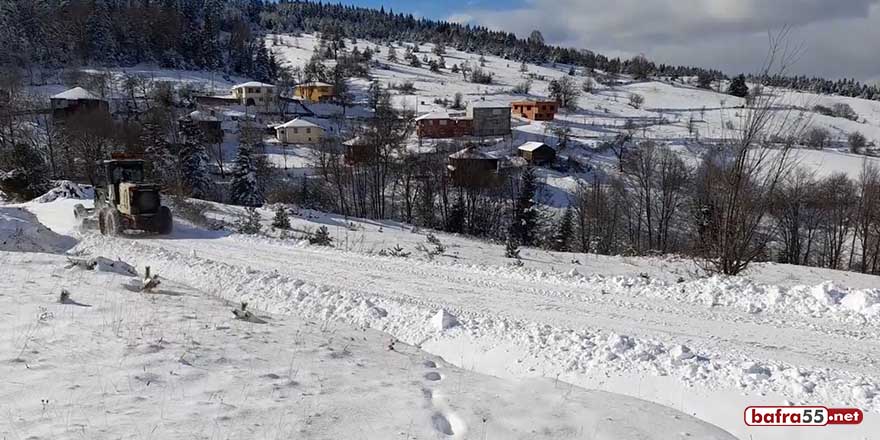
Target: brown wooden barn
[
  {"x": 536, "y": 153},
  {"x": 471, "y": 166},
  {"x": 78, "y": 101}
]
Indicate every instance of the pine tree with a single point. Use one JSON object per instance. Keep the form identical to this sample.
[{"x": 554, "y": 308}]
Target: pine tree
[
  {"x": 392, "y": 54},
  {"x": 195, "y": 171},
  {"x": 281, "y": 219},
  {"x": 245, "y": 188},
  {"x": 526, "y": 217},
  {"x": 102, "y": 43},
  {"x": 738, "y": 87},
  {"x": 262, "y": 66},
  {"x": 564, "y": 230},
  {"x": 194, "y": 161}
]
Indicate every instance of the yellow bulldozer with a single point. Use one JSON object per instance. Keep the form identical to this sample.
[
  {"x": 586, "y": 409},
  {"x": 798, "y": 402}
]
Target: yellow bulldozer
[{"x": 124, "y": 201}]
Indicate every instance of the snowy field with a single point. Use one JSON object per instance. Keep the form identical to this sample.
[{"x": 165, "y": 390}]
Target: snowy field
[{"x": 654, "y": 329}]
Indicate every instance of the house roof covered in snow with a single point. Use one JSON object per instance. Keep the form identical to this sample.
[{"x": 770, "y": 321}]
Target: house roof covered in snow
[
  {"x": 298, "y": 122},
  {"x": 315, "y": 84},
  {"x": 490, "y": 104},
  {"x": 200, "y": 115},
  {"x": 471, "y": 153},
  {"x": 440, "y": 115},
  {"x": 532, "y": 146},
  {"x": 252, "y": 84},
  {"x": 77, "y": 94}
]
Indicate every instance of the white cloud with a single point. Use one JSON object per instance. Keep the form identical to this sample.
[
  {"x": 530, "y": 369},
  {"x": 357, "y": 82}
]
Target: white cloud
[{"x": 839, "y": 37}]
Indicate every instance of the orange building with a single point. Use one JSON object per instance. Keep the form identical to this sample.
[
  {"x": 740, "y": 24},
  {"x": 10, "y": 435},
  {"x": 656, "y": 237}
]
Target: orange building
[{"x": 535, "y": 110}]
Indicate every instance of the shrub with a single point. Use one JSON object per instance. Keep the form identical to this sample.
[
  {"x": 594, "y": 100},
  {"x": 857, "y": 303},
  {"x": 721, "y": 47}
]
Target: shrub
[
  {"x": 857, "y": 142},
  {"x": 636, "y": 100},
  {"x": 321, "y": 237},
  {"x": 249, "y": 223},
  {"x": 816, "y": 138}
]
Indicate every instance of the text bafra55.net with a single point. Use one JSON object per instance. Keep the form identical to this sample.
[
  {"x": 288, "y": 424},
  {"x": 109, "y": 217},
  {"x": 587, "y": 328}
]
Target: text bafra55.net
[{"x": 801, "y": 416}]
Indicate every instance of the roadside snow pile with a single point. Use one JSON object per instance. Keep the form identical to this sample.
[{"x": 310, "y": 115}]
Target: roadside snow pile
[
  {"x": 823, "y": 300},
  {"x": 65, "y": 189},
  {"x": 596, "y": 351},
  {"x": 21, "y": 232}
]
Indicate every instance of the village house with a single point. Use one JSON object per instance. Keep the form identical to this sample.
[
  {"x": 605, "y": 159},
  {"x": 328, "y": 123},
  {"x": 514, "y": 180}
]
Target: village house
[
  {"x": 299, "y": 131},
  {"x": 535, "y": 110},
  {"x": 208, "y": 122},
  {"x": 315, "y": 91},
  {"x": 489, "y": 118},
  {"x": 358, "y": 150},
  {"x": 471, "y": 166},
  {"x": 536, "y": 153},
  {"x": 441, "y": 125},
  {"x": 255, "y": 94},
  {"x": 78, "y": 101}
]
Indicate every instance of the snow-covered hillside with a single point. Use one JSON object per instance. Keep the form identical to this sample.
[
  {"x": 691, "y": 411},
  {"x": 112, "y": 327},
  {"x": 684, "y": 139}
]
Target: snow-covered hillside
[
  {"x": 668, "y": 107},
  {"x": 650, "y": 328}
]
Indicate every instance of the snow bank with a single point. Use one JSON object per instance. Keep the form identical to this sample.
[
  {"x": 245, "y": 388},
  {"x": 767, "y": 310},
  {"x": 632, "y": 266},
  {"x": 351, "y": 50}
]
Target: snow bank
[
  {"x": 594, "y": 351},
  {"x": 66, "y": 189},
  {"x": 21, "y": 232}
]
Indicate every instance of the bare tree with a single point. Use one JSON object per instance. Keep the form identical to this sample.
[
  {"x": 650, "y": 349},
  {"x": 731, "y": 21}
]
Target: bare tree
[{"x": 736, "y": 186}]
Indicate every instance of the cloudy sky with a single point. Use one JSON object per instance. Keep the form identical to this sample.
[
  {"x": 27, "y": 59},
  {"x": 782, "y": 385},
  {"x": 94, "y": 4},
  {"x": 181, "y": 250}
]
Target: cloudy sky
[{"x": 840, "y": 38}]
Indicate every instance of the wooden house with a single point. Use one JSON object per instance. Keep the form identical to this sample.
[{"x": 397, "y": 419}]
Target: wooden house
[
  {"x": 210, "y": 124},
  {"x": 443, "y": 125},
  {"x": 536, "y": 153},
  {"x": 78, "y": 102},
  {"x": 471, "y": 166}
]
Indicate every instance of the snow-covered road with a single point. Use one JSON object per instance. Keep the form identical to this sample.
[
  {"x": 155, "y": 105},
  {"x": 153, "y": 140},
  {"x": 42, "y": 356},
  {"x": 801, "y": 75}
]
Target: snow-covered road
[{"x": 549, "y": 324}]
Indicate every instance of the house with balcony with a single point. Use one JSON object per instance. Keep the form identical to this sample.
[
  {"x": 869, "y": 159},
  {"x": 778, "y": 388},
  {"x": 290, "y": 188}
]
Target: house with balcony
[{"x": 255, "y": 94}]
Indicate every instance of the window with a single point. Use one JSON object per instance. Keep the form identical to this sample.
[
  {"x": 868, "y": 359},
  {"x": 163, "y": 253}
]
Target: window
[
  {"x": 309, "y": 130},
  {"x": 295, "y": 130},
  {"x": 496, "y": 111},
  {"x": 443, "y": 122},
  {"x": 310, "y": 139}
]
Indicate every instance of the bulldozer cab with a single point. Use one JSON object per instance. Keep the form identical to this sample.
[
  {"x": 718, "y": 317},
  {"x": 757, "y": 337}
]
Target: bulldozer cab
[
  {"x": 118, "y": 171},
  {"x": 124, "y": 189}
]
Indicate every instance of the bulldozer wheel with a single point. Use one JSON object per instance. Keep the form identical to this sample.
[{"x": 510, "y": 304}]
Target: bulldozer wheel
[
  {"x": 165, "y": 222},
  {"x": 102, "y": 226},
  {"x": 112, "y": 222}
]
